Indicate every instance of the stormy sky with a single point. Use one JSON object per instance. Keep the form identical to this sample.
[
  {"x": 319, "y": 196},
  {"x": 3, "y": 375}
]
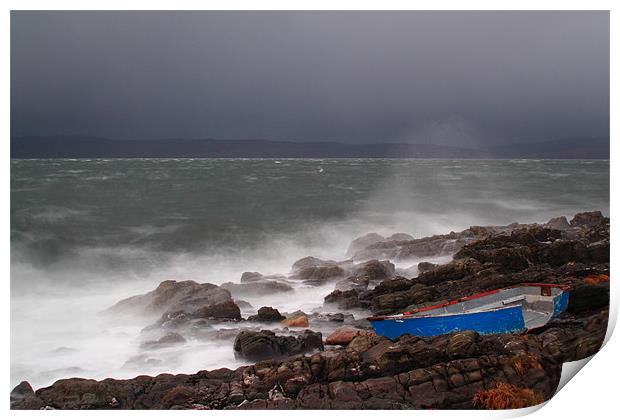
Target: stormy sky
[{"x": 457, "y": 78}]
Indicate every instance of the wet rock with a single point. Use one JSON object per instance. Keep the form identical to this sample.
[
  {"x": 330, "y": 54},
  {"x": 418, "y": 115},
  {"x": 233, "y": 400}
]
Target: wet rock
[
  {"x": 400, "y": 237},
  {"x": 248, "y": 277},
  {"x": 343, "y": 299},
  {"x": 374, "y": 270},
  {"x": 558, "y": 223},
  {"x": 226, "y": 310},
  {"x": 344, "y": 335},
  {"x": 171, "y": 296},
  {"x": 591, "y": 218},
  {"x": 320, "y": 273},
  {"x": 586, "y": 297},
  {"x": 297, "y": 321},
  {"x": 371, "y": 372},
  {"x": 179, "y": 397},
  {"x": 451, "y": 271},
  {"x": 426, "y": 266},
  {"x": 353, "y": 283},
  {"x": 168, "y": 340},
  {"x": 22, "y": 391},
  {"x": 416, "y": 294},
  {"x": 265, "y": 345},
  {"x": 267, "y": 314},
  {"x": 416, "y": 248},
  {"x": 308, "y": 262},
  {"x": 258, "y": 288},
  {"x": 363, "y": 242}
]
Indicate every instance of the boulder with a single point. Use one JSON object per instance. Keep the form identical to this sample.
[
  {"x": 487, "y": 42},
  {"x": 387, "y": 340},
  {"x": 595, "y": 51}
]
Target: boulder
[
  {"x": 426, "y": 266},
  {"x": 258, "y": 288},
  {"x": 400, "y": 237},
  {"x": 363, "y": 242},
  {"x": 443, "y": 372},
  {"x": 353, "y": 283},
  {"x": 307, "y": 262},
  {"x": 225, "y": 310},
  {"x": 587, "y": 219},
  {"x": 588, "y": 297},
  {"x": 23, "y": 389},
  {"x": 375, "y": 270},
  {"x": 347, "y": 299},
  {"x": 319, "y": 273},
  {"x": 171, "y": 296},
  {"x": 267, "y": 314},
  {"x": 344, "y": 335},
  {"x": 248, "y": 277},
  {"x": 558, "y": 223},
  {"x": 266, "y": 345}
]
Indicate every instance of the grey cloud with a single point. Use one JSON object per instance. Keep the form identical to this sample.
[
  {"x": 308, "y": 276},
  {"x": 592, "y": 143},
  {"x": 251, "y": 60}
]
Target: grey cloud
[{"x": 442, "y": 77}]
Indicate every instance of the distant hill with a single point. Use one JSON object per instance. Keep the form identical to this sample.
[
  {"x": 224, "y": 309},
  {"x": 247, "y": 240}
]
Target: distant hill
[
  {"x": 94, "y": 147},
  {"x": 568, "y": 148}
]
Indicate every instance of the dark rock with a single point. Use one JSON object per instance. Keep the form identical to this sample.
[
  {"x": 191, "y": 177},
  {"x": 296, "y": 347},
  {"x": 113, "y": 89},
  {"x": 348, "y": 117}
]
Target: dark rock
[
  {"x": 248, "y": 277},
  {"x": 179, "y": 397},
  {"x": 320, "y": 273},
  {"x": 452, "y": 271},
  {"x": 267, "y": 314},
  {"x": 371, "y": 372},
  {"x": 30, "y": 402},
  {"x": 426, "y": 266},
  {"x": 258, "y": 288},
  {"x": 389, "y": 302},
  {"x": 400, "y": 237},
  {"x": 343, "y": 299},
  {"x": 374, "y": 270},
  {"x": 264, "y": 345},
  {"x": 171, "y": 296},
  {"x": 591, "y": 218},
  {"x": 308, "y": 262},
  {"x": 363, "y": 242},
  {"x": 224, "y": 310},
  {"x": 22, "y": 391},
  {"x": 588, "y": 298},
  {"x": 558, "y": 223}
]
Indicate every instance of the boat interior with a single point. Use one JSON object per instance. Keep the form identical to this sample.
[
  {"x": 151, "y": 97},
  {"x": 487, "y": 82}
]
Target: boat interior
[{"x": 537, "y": 303}]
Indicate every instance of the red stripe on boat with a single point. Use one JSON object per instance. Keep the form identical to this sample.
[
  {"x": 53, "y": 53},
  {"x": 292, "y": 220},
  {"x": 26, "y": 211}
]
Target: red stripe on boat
[{"x": 477, "y": 295}]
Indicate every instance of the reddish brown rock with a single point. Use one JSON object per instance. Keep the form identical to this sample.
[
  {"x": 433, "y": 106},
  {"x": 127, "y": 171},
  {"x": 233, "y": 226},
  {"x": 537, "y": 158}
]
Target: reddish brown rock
[
  {"x": 344, "y": 335},
  {"x": 297, "y": 321}
]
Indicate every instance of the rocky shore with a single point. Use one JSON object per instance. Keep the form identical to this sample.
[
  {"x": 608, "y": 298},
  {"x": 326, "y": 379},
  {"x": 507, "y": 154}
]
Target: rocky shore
[{"x": 332, "y": 359}]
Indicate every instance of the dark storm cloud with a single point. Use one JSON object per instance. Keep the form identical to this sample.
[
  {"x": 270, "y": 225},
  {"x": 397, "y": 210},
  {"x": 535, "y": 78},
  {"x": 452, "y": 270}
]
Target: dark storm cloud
[{"x": 444, "y": 77}]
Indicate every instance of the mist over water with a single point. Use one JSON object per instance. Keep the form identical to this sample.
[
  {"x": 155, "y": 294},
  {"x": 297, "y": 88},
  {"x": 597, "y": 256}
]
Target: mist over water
[{"x": 87, "y": 233}]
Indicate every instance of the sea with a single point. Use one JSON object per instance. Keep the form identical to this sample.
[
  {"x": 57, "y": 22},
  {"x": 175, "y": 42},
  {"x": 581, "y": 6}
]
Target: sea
[{"x": 86, "y": 233}]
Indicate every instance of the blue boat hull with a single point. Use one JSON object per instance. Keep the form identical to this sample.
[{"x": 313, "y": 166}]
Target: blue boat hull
[
  {"x": 509, "y": 319},
  {"x": 499, "y": 321}
]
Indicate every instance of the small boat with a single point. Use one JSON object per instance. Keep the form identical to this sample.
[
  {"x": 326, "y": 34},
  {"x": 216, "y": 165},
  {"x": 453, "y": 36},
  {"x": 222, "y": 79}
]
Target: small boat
[{"x": 508, "y": 310}]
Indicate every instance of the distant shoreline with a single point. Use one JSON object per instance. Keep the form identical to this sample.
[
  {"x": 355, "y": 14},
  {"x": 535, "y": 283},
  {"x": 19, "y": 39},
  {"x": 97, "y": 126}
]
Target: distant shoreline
[{"x": 76, "y": 147}]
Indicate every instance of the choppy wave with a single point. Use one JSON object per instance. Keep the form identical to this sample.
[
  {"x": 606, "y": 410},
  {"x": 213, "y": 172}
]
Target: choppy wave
[{"x": 79, "y": 244}]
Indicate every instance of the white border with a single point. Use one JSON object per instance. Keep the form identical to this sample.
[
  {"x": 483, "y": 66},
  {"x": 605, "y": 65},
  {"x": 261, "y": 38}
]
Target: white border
[{"x": 592, "y": 395}]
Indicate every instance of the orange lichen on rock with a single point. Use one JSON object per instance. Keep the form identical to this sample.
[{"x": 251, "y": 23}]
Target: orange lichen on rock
[
  {"x": 506, "y": 396},
  {"x": 596, "y": 279}
]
